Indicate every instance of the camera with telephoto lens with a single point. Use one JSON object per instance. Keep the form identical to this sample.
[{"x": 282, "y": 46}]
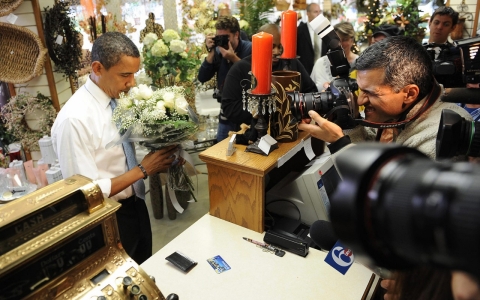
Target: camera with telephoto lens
[
  {"x": 336, "y": 103},
  {"x": 397, "y": 209},
  {"x": 221, "y": 41},
  {"x": 457, "y": 136}
]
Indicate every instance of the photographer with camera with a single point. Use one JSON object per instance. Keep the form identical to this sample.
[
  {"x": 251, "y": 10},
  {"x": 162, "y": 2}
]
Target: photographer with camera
[
  {"x": 400, "y": 96},
  {"x": 224, "y": 49}
]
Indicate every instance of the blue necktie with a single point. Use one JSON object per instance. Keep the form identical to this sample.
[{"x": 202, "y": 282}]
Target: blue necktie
[{"x": 129, "y": 149}]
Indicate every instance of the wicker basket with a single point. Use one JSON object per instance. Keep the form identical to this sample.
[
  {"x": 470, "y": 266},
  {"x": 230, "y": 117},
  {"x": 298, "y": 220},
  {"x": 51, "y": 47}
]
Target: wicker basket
[
  {"x": 22, "y": 54},
  {"x": 7, "y": 6}
]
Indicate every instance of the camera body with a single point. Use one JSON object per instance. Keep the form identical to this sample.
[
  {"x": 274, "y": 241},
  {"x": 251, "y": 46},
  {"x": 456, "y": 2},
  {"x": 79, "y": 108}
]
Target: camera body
[
  {"x": 336, "y": 103},
  {"x": 221, "y": 41},
  {"x": 455, "y": 65}
]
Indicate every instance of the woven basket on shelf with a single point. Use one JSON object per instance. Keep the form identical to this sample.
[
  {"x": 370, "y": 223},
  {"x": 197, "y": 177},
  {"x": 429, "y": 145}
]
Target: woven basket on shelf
[
  {"x": 7, "y": 6},
  {"x": 22, "y": 54}
]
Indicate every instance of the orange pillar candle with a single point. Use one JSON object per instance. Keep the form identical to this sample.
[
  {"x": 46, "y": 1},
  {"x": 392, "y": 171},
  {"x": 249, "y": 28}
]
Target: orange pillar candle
[
  {"x": 289, "y": 34},
  {"x": 262, "y": 45}
]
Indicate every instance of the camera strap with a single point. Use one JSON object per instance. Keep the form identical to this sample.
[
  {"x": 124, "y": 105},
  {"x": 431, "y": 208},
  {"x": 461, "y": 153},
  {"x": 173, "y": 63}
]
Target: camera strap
[{"x": 430, "y": 100}]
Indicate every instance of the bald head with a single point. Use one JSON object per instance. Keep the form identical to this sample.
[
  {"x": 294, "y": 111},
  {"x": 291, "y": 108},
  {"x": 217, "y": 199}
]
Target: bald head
[
  {"x": 274, "y": 30},
  {"x": 270, "y": 28}
]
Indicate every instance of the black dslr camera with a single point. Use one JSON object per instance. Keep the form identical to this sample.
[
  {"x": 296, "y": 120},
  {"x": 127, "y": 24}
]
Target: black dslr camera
[
  {"x": 221, "y": 41},
  {"x": 455, "y": 65},
  {"x": 336, "y": 103}
]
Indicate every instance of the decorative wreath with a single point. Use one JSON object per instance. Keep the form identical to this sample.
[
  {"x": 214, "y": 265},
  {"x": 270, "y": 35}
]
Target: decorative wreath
[
  {"x": 63, "y": 41},
  {"x": 14, "y": 112}
]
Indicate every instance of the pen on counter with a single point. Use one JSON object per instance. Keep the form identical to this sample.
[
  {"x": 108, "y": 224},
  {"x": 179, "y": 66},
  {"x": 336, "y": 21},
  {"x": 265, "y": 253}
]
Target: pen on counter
[{"x": 266, "y": 246}]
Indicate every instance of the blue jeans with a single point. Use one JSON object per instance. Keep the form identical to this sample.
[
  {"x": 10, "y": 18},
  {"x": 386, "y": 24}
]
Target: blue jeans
[{"x": 224, "y": 128}]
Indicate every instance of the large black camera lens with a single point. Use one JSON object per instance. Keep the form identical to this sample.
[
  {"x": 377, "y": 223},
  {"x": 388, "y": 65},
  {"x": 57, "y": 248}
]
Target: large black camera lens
[
  {"x": 301, "y": 103},
  {"x": 456, "y": 136},
  {"x": 401, "y": 209}
]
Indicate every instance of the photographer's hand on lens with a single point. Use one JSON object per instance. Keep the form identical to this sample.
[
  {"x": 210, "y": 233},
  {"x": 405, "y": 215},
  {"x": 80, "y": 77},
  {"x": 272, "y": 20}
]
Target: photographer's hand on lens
[
  {"x": 159, "y": 160},
  {"x": 323, "y": 129},
  {"x": 464, "y": 286},
  {"x": 389, "y": 286}
]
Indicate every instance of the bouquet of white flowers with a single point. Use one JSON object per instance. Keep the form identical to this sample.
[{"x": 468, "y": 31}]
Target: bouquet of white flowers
[{"x": 156, "y": 118}]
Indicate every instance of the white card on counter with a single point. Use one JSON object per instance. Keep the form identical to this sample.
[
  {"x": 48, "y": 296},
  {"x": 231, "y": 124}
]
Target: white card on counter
[{"x": 266, "y": 143}]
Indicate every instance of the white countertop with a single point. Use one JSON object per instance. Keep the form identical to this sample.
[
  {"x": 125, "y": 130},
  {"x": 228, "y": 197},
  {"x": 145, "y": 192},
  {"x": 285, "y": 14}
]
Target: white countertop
[{"x": 254, "y": 274}]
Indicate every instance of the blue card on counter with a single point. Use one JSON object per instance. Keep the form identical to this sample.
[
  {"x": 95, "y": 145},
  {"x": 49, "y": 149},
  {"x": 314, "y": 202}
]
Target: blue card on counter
[
  {"x": 218, "y": 264},
  {"x": 340, "y": 258}
]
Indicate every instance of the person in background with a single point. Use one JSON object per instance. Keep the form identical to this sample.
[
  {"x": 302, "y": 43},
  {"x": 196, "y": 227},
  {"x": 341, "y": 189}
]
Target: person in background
[
  {"x": 232, "y": 105},
  {"x": 443, "y": 21},
  {"x": 310, "y": 46},
  {"x": 219, "y": 61},
  {"x": 321, "y": 71},
  {"x": 384, "y": 31},
  {"x": 84, "y": 127},
  {"x": 394, "y": 91}
]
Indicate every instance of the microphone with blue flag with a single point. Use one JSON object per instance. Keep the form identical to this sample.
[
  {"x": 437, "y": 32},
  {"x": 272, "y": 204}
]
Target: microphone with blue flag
[{"x": 340, "y": 258}]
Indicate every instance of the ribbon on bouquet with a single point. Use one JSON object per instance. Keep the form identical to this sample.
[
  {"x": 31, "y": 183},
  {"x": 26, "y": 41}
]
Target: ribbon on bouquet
[{"x": 171, "y": 192}]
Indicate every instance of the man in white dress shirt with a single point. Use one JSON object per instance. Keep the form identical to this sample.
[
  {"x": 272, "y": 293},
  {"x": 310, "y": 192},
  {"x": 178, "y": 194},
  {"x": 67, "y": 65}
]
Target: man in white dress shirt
[{"x": 84, "y": 127}]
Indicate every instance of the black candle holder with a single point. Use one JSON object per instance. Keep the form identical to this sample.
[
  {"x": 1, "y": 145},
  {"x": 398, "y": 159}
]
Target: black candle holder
[
  {"x": 286, "y": 62},
  {"x": 259, "y": 104}
]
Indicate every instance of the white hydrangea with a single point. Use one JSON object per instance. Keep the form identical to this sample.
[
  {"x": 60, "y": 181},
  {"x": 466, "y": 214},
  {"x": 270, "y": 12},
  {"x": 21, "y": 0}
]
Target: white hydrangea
[
  {"x": 170, "y": 35},
  {"x": 143, "y": 78},
  {"x": 159, "y": 49},
  {"x": 178, "y": 46},
  {"x": 184, "y": 54},
  {"x": 150, "y": 39}
]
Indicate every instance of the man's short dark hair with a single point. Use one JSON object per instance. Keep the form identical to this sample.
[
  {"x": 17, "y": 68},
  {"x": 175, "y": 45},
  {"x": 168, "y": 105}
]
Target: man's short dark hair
[
  {"x": 446, "y": 11},
  {"x": 109, "y": 48},
  {"x": 227, "y": 23},
  {"x": 404, "y": 61}
]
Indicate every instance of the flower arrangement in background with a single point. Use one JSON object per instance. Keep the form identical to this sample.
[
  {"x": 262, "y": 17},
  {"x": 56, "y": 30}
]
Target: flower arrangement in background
[
  {"x": 170, "y": 59},
  {"x": 95, "y": 26},
  {"x": 198, "y": 16}
]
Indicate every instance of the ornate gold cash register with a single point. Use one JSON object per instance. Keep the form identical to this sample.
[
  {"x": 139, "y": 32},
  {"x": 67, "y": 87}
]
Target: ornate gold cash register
[{"x": 62, "y": 242}]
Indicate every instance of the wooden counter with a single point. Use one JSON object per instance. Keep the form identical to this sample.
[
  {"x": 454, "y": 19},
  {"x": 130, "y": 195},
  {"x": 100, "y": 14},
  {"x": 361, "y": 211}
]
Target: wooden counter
[{"x": 237, "y": 183}]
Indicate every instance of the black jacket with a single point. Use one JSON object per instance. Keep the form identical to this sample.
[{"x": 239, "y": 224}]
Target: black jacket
[
  {"x": 232, "y": 105},
  {"x": 305, "y": 47}
]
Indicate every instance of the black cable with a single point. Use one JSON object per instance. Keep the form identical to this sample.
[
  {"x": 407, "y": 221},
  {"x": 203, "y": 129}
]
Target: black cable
[{"x": 288, "y": 201}]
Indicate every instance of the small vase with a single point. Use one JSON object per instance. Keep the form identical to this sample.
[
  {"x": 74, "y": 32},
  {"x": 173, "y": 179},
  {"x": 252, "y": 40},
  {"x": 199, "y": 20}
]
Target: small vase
[{"x": 283, "y": 125}]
